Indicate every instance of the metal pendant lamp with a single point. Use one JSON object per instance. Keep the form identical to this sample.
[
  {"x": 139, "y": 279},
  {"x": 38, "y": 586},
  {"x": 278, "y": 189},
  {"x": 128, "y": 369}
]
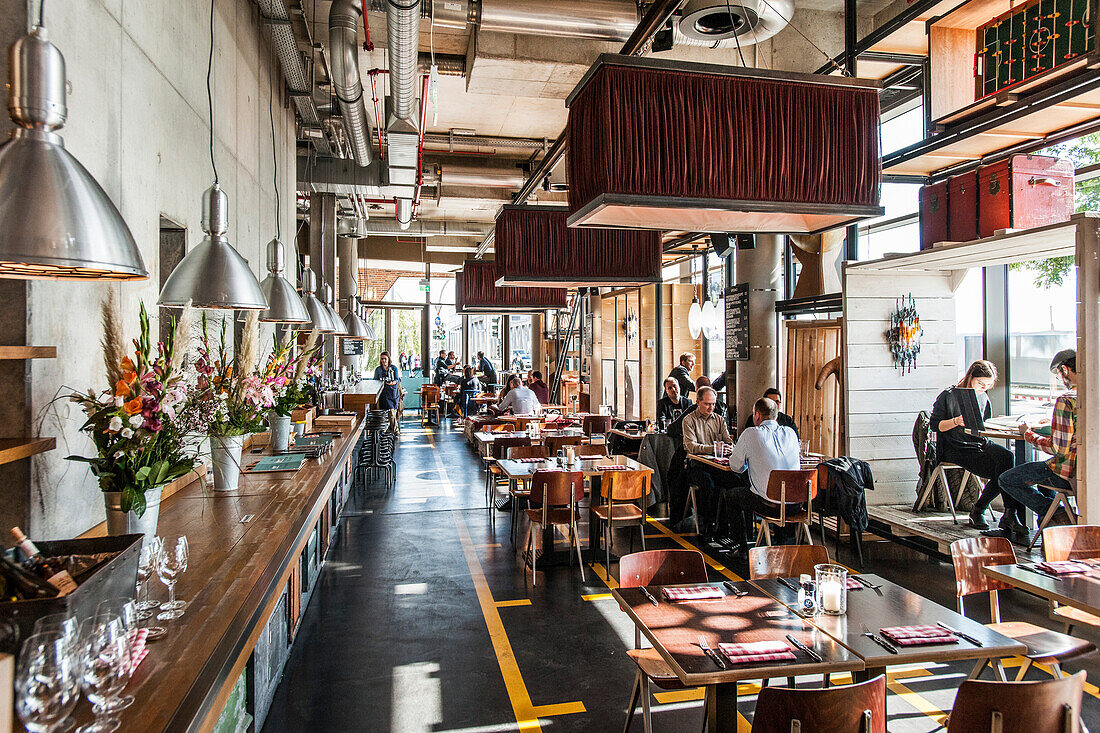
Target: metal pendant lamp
[
  {"x": 56, "y": 222},
  {"x": 318, "y": 314},
  {"x": 371, "y": 335},
  {"x": 283, "y": 303},
  {"x": 337, "y": 322},
  {"x": 357, "y": 327},
  {"x": 213, "y": 274}
]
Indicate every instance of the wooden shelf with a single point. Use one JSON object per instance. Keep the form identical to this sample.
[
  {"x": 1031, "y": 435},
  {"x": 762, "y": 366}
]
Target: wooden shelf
[
  {"x": 28, "y": 352},
  {"x": 14, "y": 449}
]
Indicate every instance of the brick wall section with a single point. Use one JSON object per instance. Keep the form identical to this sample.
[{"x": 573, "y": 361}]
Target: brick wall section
[{"x": 374, "y": 283}]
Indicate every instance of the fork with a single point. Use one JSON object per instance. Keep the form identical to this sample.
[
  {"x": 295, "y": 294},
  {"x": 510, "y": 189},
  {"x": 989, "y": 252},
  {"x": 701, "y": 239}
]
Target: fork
[{"x": 710, "y": 652}]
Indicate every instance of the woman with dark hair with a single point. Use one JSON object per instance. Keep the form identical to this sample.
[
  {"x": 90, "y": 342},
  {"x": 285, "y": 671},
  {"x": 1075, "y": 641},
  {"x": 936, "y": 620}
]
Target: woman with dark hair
[
  {"x": 390, "y": 377},
  {"x": 469, "y": 388},
  {"x": 976, "y": 454}
]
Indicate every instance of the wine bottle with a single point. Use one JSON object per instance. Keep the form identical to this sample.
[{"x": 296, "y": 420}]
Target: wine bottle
[
  {"x": 50, "y": 568},
  {"x": 26, "y": 584}
]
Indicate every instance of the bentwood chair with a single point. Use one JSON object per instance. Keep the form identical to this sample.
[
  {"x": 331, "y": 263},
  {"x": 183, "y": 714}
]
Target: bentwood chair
[
  {"x": 554, "y": 444},
  {"x": 1044, "y": 646},
  {"x": 620, "y": 491},
  {"x": 1071, "y": 542},
  {"x": 1048, "y": 706},
  {"x": 785, "y": 561},
  {"x": 858, "y": 708},
  {"x": 656, "y": 567},
  {"x": 553, "y": 498},
  {"x": 790, "y": 487},
  {"x": 519, "y": 490}
]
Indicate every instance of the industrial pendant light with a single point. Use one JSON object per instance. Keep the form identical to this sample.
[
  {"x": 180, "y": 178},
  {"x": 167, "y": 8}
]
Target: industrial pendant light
[
  {"x": 213, "y": 274},
  {"x": 56, "y": 222},
  {"x": 338, "y": 326},
  {"x": 356, "y": 327},
  {"x": 283, "y": 303},
  {"x": 695, "y": 311},
  {"x": 318, "y": 315},
  {"x": 371, "y": 335}
]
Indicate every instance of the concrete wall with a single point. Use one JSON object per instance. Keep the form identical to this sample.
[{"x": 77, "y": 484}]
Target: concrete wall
[{"x": 138, "y": 121}]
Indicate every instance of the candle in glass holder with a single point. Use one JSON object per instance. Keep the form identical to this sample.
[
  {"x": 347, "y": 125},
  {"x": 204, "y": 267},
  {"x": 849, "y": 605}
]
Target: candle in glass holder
[
  {"x": 830, "y": 596},
  {"x": 832, "y": 581},
  {"x": 570, "y": 454}
]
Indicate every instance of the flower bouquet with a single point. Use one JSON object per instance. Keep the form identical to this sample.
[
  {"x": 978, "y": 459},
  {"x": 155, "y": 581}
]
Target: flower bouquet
[
  {"x": 139, "y": 440},
  {"x": 285, "y": 375}
]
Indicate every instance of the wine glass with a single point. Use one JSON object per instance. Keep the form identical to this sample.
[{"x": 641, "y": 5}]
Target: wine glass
[
  {"x": 105, "y": 671},
  {"x": 147, "y": 562},
  {"x": 46, "y": 682},
  {"x": 64, "y": 625},
  {"x": 171, "y": 563},
  {"x": 124, "y": 610}
]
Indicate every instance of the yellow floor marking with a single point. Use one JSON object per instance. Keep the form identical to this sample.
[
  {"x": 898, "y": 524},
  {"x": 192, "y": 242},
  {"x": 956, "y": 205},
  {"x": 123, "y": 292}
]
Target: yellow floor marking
[
  {"x": 601, "y": 573},
  {"x": 516, "y": 602},
  {"x": 596, "y": 597},
  {"x": 527, "y": 714},
  {"x": 678, "y": 539},
  {"x": 489, "y": 546},
  {"x": 1017, "y": 661}
]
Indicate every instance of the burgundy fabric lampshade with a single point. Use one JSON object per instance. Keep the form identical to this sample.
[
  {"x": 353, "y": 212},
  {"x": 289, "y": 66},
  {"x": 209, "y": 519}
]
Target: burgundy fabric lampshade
[
  {"x": 535, "y": 246},
  {"x": 696, "y": 147},
  {"x": 476, "y": 291}
]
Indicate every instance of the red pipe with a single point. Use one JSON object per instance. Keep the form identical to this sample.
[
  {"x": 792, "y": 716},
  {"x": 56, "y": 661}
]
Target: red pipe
[
  {"x": 368, "y": 46},
  {"x": 377, "y": 111}
]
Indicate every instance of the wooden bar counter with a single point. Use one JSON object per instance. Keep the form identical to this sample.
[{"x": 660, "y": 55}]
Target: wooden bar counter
[
  {"x": 363, "y": 396},
  {"x": 235, "y": 579}
]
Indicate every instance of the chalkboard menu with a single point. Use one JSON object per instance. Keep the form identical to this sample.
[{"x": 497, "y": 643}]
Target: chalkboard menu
[
  {"x": 737, "y": 322},
  {"x": 352, "y": 348}
]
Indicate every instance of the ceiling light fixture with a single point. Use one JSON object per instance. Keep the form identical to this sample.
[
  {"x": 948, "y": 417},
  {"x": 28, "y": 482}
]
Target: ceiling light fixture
[
  {"x": 695, "y": 311},
  {"x": 338, "y": 327},
  {"x": 318, "y": 315},
  {"x": 56, "y": 222}
]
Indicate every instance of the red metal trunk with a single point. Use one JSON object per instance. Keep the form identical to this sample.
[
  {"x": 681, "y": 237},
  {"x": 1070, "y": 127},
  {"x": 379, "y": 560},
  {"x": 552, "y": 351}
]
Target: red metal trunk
[
  {"x": 1024, "y": 191},
  {"x": 933, "y": 214},
  {"x": 962, "y": 197}
]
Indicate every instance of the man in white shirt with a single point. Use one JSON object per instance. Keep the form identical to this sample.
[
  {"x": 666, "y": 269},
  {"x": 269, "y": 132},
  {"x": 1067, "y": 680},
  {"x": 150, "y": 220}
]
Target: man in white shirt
[
  {"x": 521, "y": 400},
  {"x": 760, "y": 450}
]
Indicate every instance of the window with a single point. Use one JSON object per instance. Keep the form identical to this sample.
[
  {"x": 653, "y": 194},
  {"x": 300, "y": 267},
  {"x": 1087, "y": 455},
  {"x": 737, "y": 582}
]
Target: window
[
  {"x": 969, "y": 319},
  {"x": 519, "y": 343},
  {"x": 1042, "y": 320}
]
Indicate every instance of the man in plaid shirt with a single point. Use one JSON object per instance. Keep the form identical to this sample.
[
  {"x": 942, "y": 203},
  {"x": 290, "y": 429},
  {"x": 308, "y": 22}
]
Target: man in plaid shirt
[{"x": 1020, "y": 482}]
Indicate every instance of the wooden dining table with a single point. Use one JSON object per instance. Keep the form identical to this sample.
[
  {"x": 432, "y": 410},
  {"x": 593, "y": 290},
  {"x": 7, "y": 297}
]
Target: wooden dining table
[
  {"x": 1080, "y": 590},
  {"x": 674, "y": 630}
]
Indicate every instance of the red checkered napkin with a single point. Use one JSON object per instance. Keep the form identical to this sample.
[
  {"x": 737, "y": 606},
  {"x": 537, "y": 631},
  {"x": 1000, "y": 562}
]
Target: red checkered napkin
[
  {"x": 692, "y": 593},
  {"x": 724, "y": 461},
  {"x": 918, "y": 635},
  {"x": 528, "y": 460},
  {"x": 757, "y": 651},
  {"x": 612, "y": 468},
  {"x": 1064, "y": 567},
  {"x": 854, "y": 584},
  {"x": 137, "y": 649}
]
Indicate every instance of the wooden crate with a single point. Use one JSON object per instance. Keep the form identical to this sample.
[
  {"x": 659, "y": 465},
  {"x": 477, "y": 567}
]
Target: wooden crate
[{"x": 304, "y": 413}]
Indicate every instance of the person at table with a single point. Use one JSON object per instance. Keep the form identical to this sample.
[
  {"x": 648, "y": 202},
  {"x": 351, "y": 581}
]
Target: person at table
[
  {"x": 469, "y": 388},
  {"x": 390, "y": 377},
  {"x": 440, "y": 361},
  {"x": 719, "y": 382},
  {"x": 703, "y": 427},
  {"x": 520, "y": 399},
  {"x": 488, "y": 373},
  {"x": 784, "y": 419},
  {"x": 441, "y": 370},
  {"x": 764, "y": 447},
  {"x": 1022, "y": 483},
  {"x": 976, "y": 454},
  {"x": 451, "y": 359},
  {"x": 672, "y": 404},
  {"x": 704, "y": 381},
  {"x": 539, "y": 387},
  {"x": 682, "y": 373}
]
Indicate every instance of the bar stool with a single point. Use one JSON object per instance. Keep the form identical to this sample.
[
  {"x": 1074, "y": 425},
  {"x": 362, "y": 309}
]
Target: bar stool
[
  {"x": 1062, "y": 497},
  {"x": 939, "y": 474}
]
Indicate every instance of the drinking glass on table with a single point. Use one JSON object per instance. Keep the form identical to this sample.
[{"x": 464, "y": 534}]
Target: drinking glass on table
[
  {"x": 122, "y": 615},
  {"x": 804, "y": 448},
  {"x": 171, "y": 564},
  {"x": 47, "y": 684},
  {"x": 719, "y": 449},
  {"x": 105, "y": 670},
  {"x": 147, "y": 566},
  {"x": 64, "y": 625}
]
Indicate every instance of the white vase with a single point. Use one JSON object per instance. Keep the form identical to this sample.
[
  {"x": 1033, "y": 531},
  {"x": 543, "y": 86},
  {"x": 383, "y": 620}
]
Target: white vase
[
  {"x": 279, "y": 425},
  {"x": 225, "y": 454},
  {"x": 120, "y": 522}
]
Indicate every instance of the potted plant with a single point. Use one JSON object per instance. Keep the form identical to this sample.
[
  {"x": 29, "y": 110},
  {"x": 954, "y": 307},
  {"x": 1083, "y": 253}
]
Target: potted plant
[
  {"x": 233, "y": 395},
  {"x": 134, "y": 425},
  {"x": 285, "y": 376}
]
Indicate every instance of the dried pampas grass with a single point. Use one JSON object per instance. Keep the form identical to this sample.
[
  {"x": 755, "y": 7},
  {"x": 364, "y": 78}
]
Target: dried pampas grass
[
  {"x": 113, "y": 350},
  {"x": 182, "y": 338},
  {"x": 250, "y": 344},
  {"x": 310, "y": 345}
]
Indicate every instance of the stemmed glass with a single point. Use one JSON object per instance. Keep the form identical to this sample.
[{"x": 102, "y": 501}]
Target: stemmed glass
[
  {"x": 46, "y": 682},
  {"x": 106, "y": 670},
  {"x": 124, "y": 610},
  {"x": 64, "y": 625},
  {"x": 171, "y": 563},
  {"x": 147, "y": 562}
]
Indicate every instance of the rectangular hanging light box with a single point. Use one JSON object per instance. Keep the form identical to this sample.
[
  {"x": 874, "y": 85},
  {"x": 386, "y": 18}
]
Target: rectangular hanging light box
[
  {"x": 666, "y": 145},
  {"x": 535, "y": 246},
  {"x": 476, "y": 291}
]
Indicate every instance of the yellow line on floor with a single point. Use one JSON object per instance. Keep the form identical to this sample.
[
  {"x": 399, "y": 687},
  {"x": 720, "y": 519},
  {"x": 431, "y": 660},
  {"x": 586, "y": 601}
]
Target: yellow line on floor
[
  {"x": 489, "y": 546},
  {"x": 688, "y": 546},
  {"x": 527, "y": 714},
  {"x": 601, "y": 573},
  {"x": 596, "y": 597},
  {"x": 516, "y": 602}
]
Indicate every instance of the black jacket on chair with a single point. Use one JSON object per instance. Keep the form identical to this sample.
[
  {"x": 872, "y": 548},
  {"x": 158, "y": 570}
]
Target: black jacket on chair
[{"x": 845, "y": 493}]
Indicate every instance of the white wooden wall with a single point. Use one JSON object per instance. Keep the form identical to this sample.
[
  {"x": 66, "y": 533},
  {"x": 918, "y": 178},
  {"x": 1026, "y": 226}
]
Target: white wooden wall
[{"x": 882, "y": 404}]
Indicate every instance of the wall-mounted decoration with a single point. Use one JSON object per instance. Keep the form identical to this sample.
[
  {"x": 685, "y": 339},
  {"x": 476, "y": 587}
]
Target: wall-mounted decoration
[
  {"x": 630, "y": 325},
  {"x": 904, "y": 334}
]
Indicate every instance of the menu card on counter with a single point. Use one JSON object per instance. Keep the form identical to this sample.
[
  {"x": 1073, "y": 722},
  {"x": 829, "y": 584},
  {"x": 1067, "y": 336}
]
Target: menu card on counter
[{"x": 737, "y": 322}]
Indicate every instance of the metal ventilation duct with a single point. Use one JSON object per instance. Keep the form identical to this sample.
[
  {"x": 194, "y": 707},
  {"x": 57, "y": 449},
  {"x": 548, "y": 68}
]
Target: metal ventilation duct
[
  {"x": 731, "y": 22},
  {"x": 402, "y": 131},
  {"x": 344, "y": 19}
]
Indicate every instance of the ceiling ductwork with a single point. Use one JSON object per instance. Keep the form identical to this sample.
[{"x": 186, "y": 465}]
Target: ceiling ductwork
[
  {"x": 402, "y": 130},
  {"x": 730, "y": 23},
  {"x": 422, "y": 228},
  {"x": 344, "y": 19}
]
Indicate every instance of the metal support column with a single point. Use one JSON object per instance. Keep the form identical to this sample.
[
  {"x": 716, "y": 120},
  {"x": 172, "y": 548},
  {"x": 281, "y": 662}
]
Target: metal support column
[
  {"x": 995, "y": 342},
  {"x": 322, "y": 254},
  {"x": 851, "y": 239}
]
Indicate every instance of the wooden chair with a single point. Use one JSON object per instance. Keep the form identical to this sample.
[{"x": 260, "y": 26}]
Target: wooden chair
[
  {"x": 939, "y": 474},
  {"x": 1062, "y": 497},
  {"x": 620, "y": 489},
  {"x": 520, "y": 490},
  {"x": 553, "y": 498},
  {"x": 553, "y": 445},
  {"x": 785, "y": 561},
  {"x": 858, "y": 708},
  {"x": 1044, "y": 646},
  {"x": 493, "y": 474},
  {"x": 1049, "y": 706},
  {"x": 596, "y": 425},
  {"x": 790, "y": 487},
  {"x": 587, "y": 450},
  {"x": 656, "y": 567},
  {"x": 1071, "y": 542},
  {"x": 429, "y": 403}
]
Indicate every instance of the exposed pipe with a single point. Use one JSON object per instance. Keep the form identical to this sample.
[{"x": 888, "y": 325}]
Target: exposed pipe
[
  {"x": 446, "y": 64},
  {"x": 604, "y": 20},
  {"x": 422, "y": 228},
  {"x": 343, "y": 32},
  {"x": 403, "y": 27}
]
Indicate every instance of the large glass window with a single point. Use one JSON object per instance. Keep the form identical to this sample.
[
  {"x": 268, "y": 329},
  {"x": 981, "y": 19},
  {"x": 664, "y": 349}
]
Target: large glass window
[
  {"x": 969, "y": 319},
  {"x": 485, "y": 336},
  {"x": 1042, "y": 319},
  {"x": 519, "y": 343}
]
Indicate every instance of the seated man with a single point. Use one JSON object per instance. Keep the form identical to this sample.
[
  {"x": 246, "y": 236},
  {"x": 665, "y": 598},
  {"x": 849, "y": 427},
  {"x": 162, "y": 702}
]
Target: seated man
[
  {"x": 764, "y": 447},
  {"x": 519, "y": 399},
  {"x": 784, "y": 419},
  {"x": 488, "y": 372},
  {"x": 671, "y": 405},
  {"x": 704, "y": 381},
  {"x": 1020, "y": 482},
  {"x": 703, "y": 427},
  {"x": 534, "y": 381}
]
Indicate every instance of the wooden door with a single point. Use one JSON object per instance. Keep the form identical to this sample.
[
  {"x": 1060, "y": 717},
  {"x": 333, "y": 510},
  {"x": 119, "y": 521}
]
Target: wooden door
[{"x": 817, "y": 412}]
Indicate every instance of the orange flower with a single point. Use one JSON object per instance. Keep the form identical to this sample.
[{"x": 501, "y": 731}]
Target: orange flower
[
  {"x": 122, "y": 388},
  {"x": 127, "y": 365},
  {"x": 133, "y": 406}
]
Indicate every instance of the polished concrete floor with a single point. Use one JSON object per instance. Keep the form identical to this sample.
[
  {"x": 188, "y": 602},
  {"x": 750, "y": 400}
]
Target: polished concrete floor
[{"x": 424, "y": 620}]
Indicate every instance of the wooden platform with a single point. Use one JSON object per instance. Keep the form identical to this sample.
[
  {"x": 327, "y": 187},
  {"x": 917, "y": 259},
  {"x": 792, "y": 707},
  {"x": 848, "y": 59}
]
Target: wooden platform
[{"x": 929, "y": 531}]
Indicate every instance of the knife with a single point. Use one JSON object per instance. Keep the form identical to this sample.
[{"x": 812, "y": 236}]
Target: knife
[
  {"x": 789, "y": 584},
  {"x": 881, "y": 642},
  {"x": 733, "y": 589},
  {"x": 810, "y": 652},
  {"x": 649, "y": 596},
  {"x": 714, "y": 655},
  {"x": 961, "y": 635}
]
